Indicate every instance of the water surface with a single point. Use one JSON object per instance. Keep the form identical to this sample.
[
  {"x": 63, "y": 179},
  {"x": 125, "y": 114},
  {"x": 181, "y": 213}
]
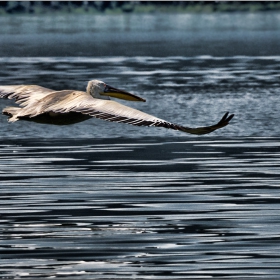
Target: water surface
[
  {"x": 216, "y": 34},
  {"x": 191, "y": 91},
  {"x": 105, "y": 200},
  {"x": 147, "y": 208}
]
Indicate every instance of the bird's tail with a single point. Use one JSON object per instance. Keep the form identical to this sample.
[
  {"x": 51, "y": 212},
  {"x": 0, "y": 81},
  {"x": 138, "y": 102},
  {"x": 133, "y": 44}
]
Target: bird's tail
[{"x": 12, "y": 112}]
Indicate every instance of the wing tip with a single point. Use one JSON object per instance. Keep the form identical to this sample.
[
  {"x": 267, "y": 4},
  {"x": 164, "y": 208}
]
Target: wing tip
[{"x": 226, "y": 119}]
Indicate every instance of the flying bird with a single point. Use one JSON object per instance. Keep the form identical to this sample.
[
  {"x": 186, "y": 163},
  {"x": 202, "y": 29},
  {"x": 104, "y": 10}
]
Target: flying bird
[{"x": 64, "y": 107}]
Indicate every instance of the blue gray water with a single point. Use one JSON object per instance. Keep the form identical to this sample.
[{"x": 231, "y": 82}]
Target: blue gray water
[
  {"x": 189, "y": 91},
  {"x": 104, "y": 200},
  {"x": 216, "y": 34},
  {"x": 147, "y": 208}
]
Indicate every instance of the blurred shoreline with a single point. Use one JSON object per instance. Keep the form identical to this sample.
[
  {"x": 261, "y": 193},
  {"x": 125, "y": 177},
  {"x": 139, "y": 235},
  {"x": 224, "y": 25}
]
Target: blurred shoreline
[{"x": 120, "y": 7}]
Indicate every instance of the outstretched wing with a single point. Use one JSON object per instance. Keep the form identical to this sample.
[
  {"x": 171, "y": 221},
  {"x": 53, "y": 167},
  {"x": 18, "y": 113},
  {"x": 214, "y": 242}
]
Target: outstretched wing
[
  {"x": 24, "y": 94},
  {"x": 76, "y": 101}
]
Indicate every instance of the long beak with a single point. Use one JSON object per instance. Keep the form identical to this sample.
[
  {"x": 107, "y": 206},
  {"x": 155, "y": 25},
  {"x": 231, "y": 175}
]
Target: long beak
[{"x": 121, "y": 94}]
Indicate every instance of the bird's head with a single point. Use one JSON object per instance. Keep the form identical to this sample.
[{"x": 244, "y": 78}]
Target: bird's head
[{"x": 100, "y": 90}]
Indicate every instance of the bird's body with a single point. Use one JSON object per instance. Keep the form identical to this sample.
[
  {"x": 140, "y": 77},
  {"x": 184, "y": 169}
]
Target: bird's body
[
  {"x": 35, "y": 110},
  {"x": 43, "y": 105}
]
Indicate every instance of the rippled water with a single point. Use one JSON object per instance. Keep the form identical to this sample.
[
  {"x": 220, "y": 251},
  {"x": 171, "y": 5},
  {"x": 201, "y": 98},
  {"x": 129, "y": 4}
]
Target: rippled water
[
  {"x": 104, "y": 200},
  {"x": 147, "y": 208},
  {"x": 190, "y": 91}
]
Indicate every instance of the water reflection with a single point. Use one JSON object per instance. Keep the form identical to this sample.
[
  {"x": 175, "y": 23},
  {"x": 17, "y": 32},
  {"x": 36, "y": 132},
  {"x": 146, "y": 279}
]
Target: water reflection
[
  {"x": 100, "y": 200},
  {"x": 150, "y": 207}
]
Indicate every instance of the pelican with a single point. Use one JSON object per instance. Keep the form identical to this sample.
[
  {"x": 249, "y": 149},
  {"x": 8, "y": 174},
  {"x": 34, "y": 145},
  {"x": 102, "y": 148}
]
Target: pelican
[{"x": 64, "y": 107}]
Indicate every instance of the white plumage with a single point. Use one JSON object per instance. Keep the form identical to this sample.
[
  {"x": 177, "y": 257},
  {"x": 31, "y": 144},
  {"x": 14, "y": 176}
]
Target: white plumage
[{"x": 64, "y": 107}]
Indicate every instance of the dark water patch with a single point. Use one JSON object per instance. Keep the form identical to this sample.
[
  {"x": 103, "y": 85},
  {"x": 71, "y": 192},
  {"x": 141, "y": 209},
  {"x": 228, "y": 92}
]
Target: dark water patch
[{"x": 147, "y": 207}]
